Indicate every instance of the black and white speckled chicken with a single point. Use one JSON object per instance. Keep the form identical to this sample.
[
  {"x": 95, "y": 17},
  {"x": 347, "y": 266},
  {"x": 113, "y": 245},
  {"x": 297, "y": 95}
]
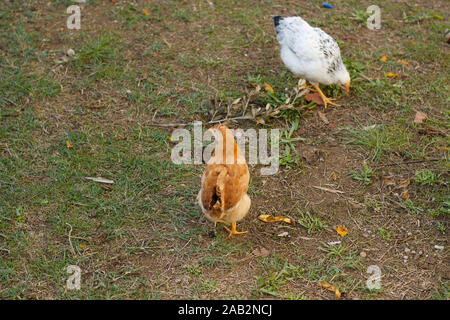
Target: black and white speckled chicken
[{"x": 311, "y": 53}]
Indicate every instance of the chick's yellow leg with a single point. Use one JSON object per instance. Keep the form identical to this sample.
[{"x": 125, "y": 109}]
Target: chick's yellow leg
[
  {"x": 233, "y": 230},
  {"x": 324, "y": 98}
]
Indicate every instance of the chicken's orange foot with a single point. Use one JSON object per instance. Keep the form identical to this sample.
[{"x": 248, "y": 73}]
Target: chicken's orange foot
[
  {"x": 233, "y": 230},
  {"x": 310, "y": 88},
  {"x": 219, "y": 220},
  {"x": 325, "y": 100}
]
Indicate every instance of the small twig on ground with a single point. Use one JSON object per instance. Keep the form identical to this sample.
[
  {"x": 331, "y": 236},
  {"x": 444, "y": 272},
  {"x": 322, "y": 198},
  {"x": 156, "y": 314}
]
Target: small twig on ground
[
  {"x": 12, "y": 102},
  {"x": 167, "y": 42},
  {"x": 328, "y": 190},
  {"x": 70, "y": 239},
  {"x": 230, "y": 119},
  {"x": 406, "y": 162},
  {"x": 167, "y": 124}
]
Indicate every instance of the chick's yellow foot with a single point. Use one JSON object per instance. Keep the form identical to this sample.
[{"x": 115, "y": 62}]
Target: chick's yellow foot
[
  {"x": 325, "y": 99},
  {"x": 233, "y": 230}
]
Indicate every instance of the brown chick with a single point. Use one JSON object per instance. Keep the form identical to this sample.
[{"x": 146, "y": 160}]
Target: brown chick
[{"x": 223, "y": 196}]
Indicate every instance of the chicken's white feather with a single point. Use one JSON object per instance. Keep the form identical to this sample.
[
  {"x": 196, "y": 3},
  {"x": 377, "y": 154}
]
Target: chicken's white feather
[{"x": 310, "y": 52}]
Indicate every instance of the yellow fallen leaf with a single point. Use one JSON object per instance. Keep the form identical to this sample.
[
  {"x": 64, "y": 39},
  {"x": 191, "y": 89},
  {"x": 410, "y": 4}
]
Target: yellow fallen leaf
[
  {"x": 82, "y": 246},
  {"x": 383, "y": 59},
  {"x": 436, "y": 16},
  {"x": 403, "y": 62},
  {"x": 410, "y": 41},
  {"x": 330, "y": 287},
  {"x": 270, "y": 219},
  {"x": 145, "y": 11},
  {"x": 68, "y": 144},
  {"x": 334, "y": 176},
  {"x": 392, "y": 75},
  {"x": 268, "y": 87},
  {"x": 342, "y": 231},
  {"x": 442, "y": 148}
]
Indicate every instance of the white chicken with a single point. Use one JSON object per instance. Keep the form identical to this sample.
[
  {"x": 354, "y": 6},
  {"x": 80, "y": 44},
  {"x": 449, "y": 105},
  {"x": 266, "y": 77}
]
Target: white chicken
[
  {"x": 223, "y": 196},
  {"x": 311, "y": 53}
]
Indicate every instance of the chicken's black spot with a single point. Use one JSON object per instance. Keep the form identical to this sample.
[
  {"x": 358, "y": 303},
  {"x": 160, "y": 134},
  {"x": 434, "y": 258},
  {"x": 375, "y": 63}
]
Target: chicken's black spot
[
  {"x": 276, "y": 20},
  {"x": 214, "y": 199}
]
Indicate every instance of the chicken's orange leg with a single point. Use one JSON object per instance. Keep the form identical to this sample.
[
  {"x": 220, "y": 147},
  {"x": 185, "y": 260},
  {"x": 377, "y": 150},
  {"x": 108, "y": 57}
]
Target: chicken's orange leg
[
  {"x": 307, "y": 86},
  {"x": 233, "y": 229},
  {"x": 324, "y": 98}
]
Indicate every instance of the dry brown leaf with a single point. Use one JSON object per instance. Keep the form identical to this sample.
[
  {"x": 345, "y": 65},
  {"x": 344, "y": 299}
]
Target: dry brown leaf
[
  {"x": 270, "y": 219},
  {"x": 314, "y": 97},
  {"x": 403, "y": 184},
  {"x": 420, "y": 117},
  {"x": 260, "y": 120},
  {"x": 261, "y": 252},
  {"x": 405, "y": 194},
  {"x": 330, "y": 287},
  {"x": 432, "y": 132},
  {"x": 236, "y": 106},
  {"x": 99, "y": 238}
]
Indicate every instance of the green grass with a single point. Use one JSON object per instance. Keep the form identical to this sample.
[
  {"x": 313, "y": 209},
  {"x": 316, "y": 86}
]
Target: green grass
[
  {"x": 131, "y": 15},
  {"x": 364, "y": 176},
  {"x": 136, "y": 238},
  {"x": 278, "y": 275},
  {"x": 360, "y": 16},
  {"x": 381, "y": 141},
  {"x": 384, "y": 233},
  {"x": 310, "y": 222},
  {"x": 99, "y": 57},
  {"x": 18, "y": 81},
  {"x": 426, "y": 177}
]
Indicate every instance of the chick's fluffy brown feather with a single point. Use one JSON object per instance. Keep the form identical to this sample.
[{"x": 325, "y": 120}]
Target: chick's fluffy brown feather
[{"x": 225, "y": 181}]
